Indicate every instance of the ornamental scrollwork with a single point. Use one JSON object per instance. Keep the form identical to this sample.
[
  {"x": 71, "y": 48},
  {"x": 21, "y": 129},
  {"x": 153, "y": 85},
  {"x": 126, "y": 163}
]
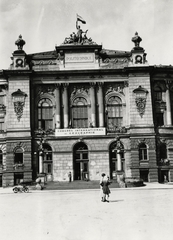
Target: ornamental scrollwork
[
  {"x": 140, "y": 99},
  {"x": 140, "y": 104},
  {"x": 18, "y": 108}
]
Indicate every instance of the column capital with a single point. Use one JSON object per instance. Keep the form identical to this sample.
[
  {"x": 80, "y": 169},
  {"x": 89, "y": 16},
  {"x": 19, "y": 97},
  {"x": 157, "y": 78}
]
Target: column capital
[
  {"x": 65, "y": 85},
  {"x": 168, "y": 83},
  {"x": 57, "y": 85},
  {"x": 100, "y": 84},
  {"x": 92, "y": 84}
]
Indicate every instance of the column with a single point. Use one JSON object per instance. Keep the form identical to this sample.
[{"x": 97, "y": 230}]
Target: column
[
  {"x": 93, "y": 108},
  {"x": 168, "y": 106},
  {"x": 57, "y": 113},
  {"x": 100, "y": 102},
  {"x": 65, "y": 104},
  {"x": 118, "y": 160},
  {"x": 40, "y": 162}
]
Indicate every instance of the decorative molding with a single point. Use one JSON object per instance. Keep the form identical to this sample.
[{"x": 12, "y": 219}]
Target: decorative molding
[{"x": 46, "y": 89}]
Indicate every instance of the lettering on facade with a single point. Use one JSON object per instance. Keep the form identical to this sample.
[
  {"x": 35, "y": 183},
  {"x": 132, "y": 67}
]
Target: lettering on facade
[
  {"x": 79, "y": 58},
  {"x": 80, "y": 132}
]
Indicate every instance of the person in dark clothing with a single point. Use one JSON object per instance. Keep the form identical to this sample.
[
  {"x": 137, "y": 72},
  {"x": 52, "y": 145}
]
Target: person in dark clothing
[{"x": 105, "y": 188}]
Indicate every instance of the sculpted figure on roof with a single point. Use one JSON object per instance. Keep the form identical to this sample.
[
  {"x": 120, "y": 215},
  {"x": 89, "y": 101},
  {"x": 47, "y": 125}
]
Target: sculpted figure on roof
[{"x": 80, "y": 37}]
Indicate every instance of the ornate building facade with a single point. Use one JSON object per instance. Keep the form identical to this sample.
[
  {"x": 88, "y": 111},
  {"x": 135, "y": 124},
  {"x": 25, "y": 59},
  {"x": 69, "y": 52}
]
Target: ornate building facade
[{"x": 85, "y": 110}]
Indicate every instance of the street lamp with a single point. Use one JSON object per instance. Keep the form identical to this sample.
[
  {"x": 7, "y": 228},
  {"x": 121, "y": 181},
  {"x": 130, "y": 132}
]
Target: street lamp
[
  {"x": 18, "y": 99},
  {"x": 140, "y": 99}
]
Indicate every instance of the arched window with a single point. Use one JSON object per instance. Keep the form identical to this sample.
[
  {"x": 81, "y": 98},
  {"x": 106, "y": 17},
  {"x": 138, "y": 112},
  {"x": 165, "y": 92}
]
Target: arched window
[
  {"x": 157, "y": 93},
  {"x": 143, "y": 152},
  {"x": 1, "y": 157},
  {"x": 45, "y": 114},
  {"x": 80, "y": 113},
  {"x": 114, "y": 112},
  {"x": 18, "y": 156}
]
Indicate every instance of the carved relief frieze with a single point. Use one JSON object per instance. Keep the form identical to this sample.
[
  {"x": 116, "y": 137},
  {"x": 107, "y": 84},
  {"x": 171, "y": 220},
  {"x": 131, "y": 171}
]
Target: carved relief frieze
[
  {"x": 115, "y": 62},
  {"x": 14, "y": 145},
  {"x": 117, "y": 87},
  {"x": 136, "y": 142},
  {"x": 44, "y": 62},
  {"x": 79, "y": 90},
  {"x": 46, "y": 89}
]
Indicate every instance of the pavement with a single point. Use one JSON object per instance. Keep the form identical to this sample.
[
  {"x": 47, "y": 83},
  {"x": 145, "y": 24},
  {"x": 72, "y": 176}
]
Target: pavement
[
  {"x": 132, "y": 213},
  {"x": 90, "y": 185}
]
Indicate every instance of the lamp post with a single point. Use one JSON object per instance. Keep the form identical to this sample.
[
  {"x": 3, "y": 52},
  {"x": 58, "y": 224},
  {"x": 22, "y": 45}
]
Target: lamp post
[
  {"x": 41, "y": 134},
  {"x": 120, "y": 174},
  {"x": 18, "y": 99},
  {"x": 140, "y": 99}
]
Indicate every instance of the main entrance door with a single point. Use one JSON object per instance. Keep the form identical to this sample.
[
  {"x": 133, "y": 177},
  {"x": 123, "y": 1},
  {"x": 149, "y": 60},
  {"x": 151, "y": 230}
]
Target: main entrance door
[{"x": 80, "y": 162}]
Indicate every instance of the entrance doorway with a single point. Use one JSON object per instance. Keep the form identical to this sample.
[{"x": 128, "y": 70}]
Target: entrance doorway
[
  {"x": 163, "y": 176},
  {"x": 80, "y": 162},
  {"x": 18, "y": 177},
  {"x": 144, "y": 174}
]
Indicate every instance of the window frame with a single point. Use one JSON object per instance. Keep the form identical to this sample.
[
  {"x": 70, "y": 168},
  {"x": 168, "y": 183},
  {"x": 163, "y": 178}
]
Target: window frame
[
  {"x": 142, "y": 152},
  {"x": 45, "y": 123},
  {"x": 79, "y": 118},
  {"x": 112, "y": 109}
]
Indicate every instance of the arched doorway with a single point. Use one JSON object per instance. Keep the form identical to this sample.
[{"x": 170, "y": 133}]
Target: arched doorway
[
  {"x": 80, "y": 162},
  {"x": 113, "y": 164}
]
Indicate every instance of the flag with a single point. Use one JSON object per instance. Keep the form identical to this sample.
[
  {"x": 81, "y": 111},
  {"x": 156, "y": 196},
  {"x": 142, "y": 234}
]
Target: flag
[{"x": 79, "y": 18}]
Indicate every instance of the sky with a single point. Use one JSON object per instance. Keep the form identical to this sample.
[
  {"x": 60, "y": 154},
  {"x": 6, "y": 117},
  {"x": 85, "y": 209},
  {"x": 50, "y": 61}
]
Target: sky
[{"x": 44, "y": 24}]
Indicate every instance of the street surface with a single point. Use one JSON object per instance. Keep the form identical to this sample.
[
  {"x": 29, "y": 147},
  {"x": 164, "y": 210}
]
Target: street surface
[{"x": 131, "y": 214}]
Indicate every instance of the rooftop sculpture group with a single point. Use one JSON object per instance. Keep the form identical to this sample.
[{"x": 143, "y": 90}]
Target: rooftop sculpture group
[{"x": 80, "y": 37}]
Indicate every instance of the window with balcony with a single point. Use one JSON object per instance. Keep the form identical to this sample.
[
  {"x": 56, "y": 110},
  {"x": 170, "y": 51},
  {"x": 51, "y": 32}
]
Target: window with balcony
[
  {"x": 143, "y": 152},
  {"x": 80, "y": 113},
  {"x": 114, "y": 112},
  {"x": 45, "y": 114}
]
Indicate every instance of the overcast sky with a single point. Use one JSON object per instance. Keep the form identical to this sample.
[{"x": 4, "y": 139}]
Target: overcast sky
[{"x": 112, "y": 23}]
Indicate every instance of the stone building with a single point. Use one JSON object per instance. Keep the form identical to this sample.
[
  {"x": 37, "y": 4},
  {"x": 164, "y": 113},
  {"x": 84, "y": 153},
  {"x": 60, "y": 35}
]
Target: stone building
[{"x": 86, "y": 110}]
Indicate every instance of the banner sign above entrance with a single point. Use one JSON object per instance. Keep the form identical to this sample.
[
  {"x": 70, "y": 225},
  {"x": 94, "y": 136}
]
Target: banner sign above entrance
[
  {"x": 79, "y": 132},
  {"x": 79, "y": 57}
]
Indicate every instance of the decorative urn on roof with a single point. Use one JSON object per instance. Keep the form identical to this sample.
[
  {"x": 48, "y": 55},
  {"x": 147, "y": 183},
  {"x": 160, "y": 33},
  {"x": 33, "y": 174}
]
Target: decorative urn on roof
[
  {"x": 19, "y": 56},
  {"x": 137, "y": 39},
  {"x": 20, "y": 42},
  {"x": 138, "y": 53}
]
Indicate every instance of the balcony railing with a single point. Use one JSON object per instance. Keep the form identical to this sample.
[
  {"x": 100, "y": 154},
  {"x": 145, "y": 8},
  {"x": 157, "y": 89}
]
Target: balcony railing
[
  {"x": 18, "y": 166},
  {"x": 164, "y": 162}
]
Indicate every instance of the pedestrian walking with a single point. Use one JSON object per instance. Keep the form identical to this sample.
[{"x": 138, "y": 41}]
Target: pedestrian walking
[
  {"x": 105, "y": 188},
  {"x": 101, "y": 186}
]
